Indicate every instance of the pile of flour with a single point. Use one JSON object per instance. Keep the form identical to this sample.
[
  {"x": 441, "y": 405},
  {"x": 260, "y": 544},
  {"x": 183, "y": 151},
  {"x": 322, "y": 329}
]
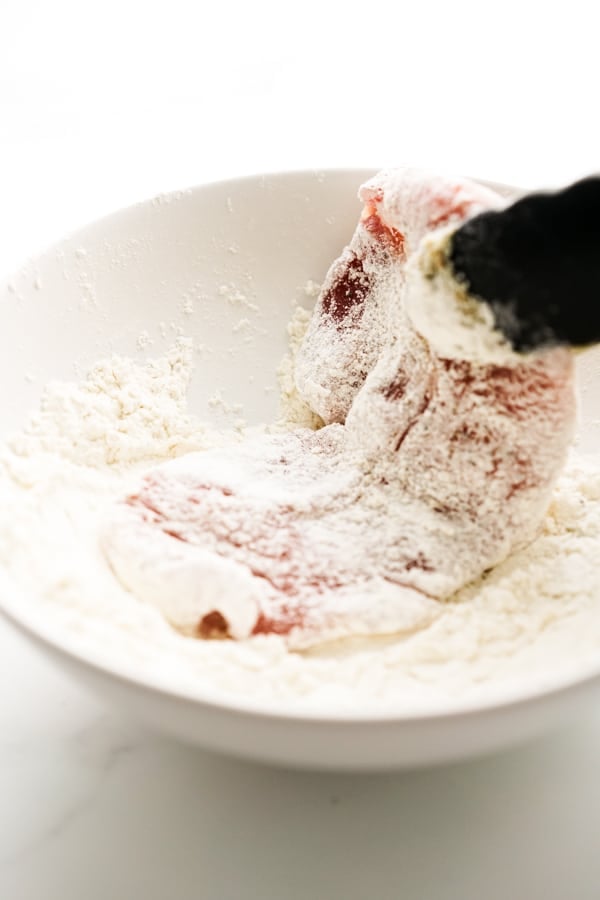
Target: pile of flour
[{"x": 533, "y": 618}]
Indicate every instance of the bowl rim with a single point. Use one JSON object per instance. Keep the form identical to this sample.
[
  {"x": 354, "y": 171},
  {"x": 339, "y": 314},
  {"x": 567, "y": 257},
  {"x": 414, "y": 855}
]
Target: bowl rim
[{"x": 174, "y": 194}]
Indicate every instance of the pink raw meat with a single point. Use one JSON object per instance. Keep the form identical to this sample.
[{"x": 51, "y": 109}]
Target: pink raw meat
[{"x": 430, "y": 469}]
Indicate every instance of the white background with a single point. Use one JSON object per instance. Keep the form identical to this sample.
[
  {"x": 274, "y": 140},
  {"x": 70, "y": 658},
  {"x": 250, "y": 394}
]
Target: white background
[{"x": 105, "y": 104}]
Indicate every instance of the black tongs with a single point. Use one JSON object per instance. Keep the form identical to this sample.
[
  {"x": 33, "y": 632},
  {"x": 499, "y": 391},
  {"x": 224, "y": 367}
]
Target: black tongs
[{"x": 537, "y": 264}]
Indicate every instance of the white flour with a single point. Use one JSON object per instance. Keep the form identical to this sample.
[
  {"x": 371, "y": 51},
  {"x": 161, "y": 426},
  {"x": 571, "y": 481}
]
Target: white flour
[
  {"x": 537, "y": 615},
  {"x": 295, "y": 413}
]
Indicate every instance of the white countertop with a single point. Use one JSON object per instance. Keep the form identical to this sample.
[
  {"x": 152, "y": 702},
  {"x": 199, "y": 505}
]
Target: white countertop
[
  {"x": 95, "y": 807},
  {"x": 102, "y": 107}
]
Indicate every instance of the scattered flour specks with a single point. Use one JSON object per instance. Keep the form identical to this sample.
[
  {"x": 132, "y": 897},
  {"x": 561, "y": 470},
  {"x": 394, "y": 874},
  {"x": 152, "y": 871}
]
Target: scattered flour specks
[{"x": 235, "y": 297}]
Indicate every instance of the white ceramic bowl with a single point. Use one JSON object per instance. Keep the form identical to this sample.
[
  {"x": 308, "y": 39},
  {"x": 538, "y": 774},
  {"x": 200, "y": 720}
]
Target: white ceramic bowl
[{"x": 282, "y": 230}]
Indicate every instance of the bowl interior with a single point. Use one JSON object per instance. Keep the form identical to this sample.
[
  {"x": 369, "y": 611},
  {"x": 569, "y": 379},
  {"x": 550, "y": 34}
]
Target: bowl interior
[{"x": 223, "y": 264}]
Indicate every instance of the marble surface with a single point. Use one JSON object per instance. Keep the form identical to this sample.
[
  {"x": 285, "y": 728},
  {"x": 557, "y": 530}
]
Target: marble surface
[
  {"x": 101, "y": 106},
  {"x": 94, "y": 806}
]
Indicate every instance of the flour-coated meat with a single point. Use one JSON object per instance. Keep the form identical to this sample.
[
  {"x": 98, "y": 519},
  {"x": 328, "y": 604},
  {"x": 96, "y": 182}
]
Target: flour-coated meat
[{"x": 432, "y": 467}]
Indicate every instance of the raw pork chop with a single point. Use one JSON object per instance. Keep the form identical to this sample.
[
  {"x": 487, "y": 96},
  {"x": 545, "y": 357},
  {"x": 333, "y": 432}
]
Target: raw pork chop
[{"x": 439, "y": 454}]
